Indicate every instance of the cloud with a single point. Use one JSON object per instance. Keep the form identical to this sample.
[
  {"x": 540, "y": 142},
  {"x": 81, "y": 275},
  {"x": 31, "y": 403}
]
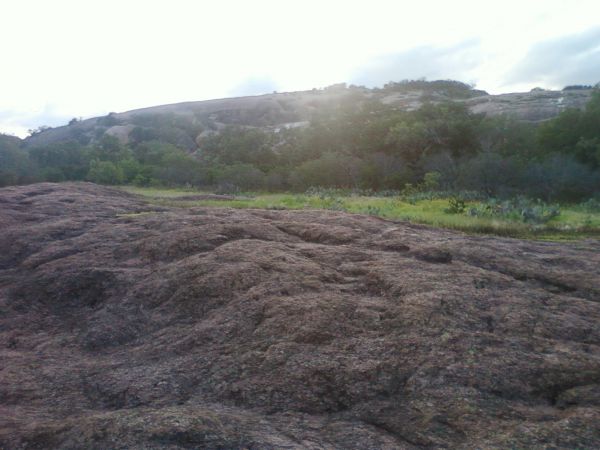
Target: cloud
[
  {"x": 19, "y": 122},
  {"x": 554, "y": 63},
  {"x": 254, "y": 86},
  {"x": 454, "y": 62}
]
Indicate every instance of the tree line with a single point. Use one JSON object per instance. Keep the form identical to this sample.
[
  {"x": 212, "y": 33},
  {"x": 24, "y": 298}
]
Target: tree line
[{"x": 355, "y": 143}]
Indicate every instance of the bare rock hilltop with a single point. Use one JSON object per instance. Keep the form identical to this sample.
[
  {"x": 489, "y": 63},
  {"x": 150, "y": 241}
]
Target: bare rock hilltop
[
  {"x": 124, "y": 325},
  {"x": 189, "y": 122}
]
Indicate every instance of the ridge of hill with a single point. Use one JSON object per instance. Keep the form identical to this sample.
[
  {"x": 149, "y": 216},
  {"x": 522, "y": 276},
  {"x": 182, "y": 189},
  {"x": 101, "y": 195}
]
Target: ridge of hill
[{"x": 193, "y": 120}]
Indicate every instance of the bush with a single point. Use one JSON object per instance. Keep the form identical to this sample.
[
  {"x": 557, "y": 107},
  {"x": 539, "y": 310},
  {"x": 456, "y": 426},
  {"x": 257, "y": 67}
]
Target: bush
[
  {"x": 61, "y": 161},
  {"x": 53, "y": 174},
  {"x": 226, "y": 188},
  {"x": 143, "y": 180},
  {"x": 330, "y": 170},
  {"x": 242, "y": 176},
  {"x": 591, "y": 205},
  {"x": 373, "y": 210},
  {"x": 561, "y": 179},
  {"x": 456, "y": 205},
  {"x": 276, "y": 181},
  {"x": 108, "y": 120},
  {"x": 431, "y": 181},
  {"x": 105, "y": 172},
  {"x": 8, "y": 178},
  {"x": 15, "y": 165},
  {"x": 490, "y": 173},
  {"x": 177, "y": 167},
  {"x": 519, "y": 209}
]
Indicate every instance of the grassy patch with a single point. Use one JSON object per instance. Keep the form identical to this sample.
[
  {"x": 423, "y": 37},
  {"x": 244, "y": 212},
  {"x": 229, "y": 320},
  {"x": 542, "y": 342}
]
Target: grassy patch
[{"x": 571, "y": 224}]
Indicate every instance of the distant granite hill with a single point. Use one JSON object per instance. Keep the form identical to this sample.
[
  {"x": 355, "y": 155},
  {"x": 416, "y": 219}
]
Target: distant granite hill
[{"x": 187, "y": 123}]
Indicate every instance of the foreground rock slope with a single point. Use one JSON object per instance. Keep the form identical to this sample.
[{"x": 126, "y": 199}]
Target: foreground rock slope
[{"x": 125, "y": 325}]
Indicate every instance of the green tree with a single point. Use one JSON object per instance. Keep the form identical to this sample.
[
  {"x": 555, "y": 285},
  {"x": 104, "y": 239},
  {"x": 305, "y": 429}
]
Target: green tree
[
  {"x": 330, "y": 170},
  {"x": 15, "y": 165},
  {"x": 241, "y": 176},
  {"x": 177, "y": 167},
  {"x": 105, "y": 172},
  {"x": 573, "y": 132},
  {"x": 235, "y": 145},
  {"x": 70, "y": 158}
]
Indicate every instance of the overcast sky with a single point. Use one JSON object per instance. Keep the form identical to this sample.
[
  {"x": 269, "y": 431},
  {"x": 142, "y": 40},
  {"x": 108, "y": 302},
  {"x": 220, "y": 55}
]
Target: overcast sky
[{"x": 63, "y": 59}]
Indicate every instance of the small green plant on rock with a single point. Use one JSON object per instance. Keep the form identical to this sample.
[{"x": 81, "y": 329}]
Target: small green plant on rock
[{"x": 373, "y": 210}]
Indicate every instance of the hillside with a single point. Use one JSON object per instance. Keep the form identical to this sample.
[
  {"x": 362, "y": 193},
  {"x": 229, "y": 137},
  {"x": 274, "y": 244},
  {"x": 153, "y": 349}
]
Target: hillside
[
  {"x": 194, "y": 120},
  {"x": 128, "y": 325},
  {"x": 441, "y": 136}
]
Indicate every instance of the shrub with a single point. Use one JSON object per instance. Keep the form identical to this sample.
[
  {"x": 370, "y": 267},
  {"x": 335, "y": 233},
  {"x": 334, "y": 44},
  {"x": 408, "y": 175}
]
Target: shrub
[
  {"x": 431, "y": 181},
  {"x": 490, "y": 173},
  {"x": 143, "y": 180},
  {"x": 331, "y": 170},
  {"x": 226, "y": 188},
  {"x": 373, "y": 210},
  {"x": 108, "y": 120},
  {"x": 242, "y": 176},
  {"x": 591, "y": 205},
  {"x": 105, "y": 172},
  {"x": 456, "y": 205},
  {"x": 519, "y": 209},
  {"x": 276, "y": 181},
  {"x": 8, "y": 178},
  {"x": 335, "y": 204},
  {"x": 177, "y": 168},
  {"x": 560, "y": 178},
  {"x": 53, "y": 174},
  {"x": 131, "y": 168}
]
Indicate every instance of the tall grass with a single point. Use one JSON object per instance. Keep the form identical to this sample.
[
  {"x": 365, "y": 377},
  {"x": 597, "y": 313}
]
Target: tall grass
[{"x": 573, "y": 222}]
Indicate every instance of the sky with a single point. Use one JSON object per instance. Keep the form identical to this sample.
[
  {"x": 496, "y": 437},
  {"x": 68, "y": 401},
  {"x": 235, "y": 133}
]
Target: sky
[{"x": 83, "y": 58}]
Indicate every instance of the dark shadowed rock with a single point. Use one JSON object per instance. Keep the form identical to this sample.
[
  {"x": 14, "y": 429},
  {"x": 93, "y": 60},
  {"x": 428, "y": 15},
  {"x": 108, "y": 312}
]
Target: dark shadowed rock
[
  {"x": 433, "y": 255},
  {"x": 124, "y": 325}
]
